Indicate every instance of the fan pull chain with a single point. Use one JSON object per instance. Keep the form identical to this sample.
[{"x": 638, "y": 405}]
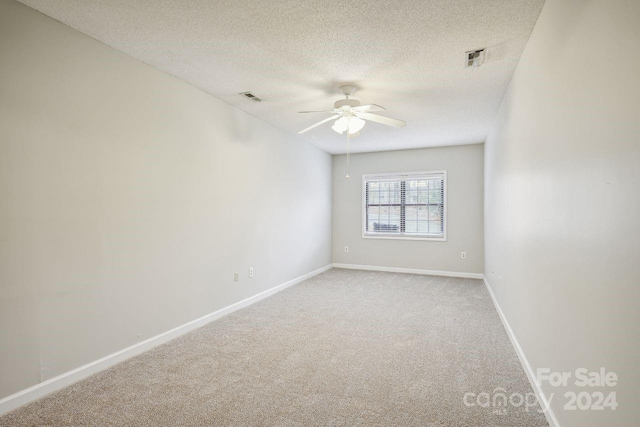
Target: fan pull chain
[{"x": 348, "y": 149}]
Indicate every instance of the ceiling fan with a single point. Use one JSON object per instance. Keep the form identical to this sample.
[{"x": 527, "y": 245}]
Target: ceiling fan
[{"x": 350, "y": 115}]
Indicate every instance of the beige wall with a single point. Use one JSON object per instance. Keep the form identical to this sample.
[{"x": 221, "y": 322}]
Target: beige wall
[
  {"x": 128, "y": 199},
  {"x": 562, "y": 207},
  {"x": 464, "y": 166}
]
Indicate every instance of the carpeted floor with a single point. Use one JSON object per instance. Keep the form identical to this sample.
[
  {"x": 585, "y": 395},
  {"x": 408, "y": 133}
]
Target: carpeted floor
[{"x": 343, "y": 348}]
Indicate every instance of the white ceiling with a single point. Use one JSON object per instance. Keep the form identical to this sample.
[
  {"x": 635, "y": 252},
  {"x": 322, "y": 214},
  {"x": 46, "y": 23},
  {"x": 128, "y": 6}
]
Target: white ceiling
[{"x": 406, "y": 55}]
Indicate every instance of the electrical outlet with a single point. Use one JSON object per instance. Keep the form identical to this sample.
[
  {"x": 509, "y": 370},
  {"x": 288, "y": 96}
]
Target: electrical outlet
[
  {"x": 463, "y": 255},
  {"x": 250, "y": 272},
  {"x": 346, "y": 248},
  {"x": 236, "y": 276}
]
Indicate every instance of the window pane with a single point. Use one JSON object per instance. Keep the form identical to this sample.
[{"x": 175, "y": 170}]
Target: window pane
[
  {"x": 411, "y": 227},
  {"x": 374, "y": 198},
  {"x": 423, "y": 213},
  {"x": 388, "y": 221},
  {"x": 435, "y": 227},
  {"x": 396, "y": 199},
  {"x": 412, "y": 197},
  {"x": 434, "y": 213},
  {"x": 422, "y": 197},
  {"x": 434, "y": 196},
  {"x": 411, "y": 213},
  {"x": 373, "y": 214},
  {"x": 384, "y": 192},
  {"x": 394, "y": 189},
  {"x": 384, "y": 197},
  {"x": 394, "y": 213}
]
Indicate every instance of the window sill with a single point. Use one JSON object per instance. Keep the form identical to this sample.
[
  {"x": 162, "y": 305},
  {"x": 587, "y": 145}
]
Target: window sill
[{"x": 396, "y": 237}]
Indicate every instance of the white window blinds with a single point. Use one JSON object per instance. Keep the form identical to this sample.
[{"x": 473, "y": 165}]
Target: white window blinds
[{"x": 405, "y": 205}]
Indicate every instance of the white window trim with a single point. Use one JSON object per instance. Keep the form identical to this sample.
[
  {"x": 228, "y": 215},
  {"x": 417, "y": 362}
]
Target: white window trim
[{"x": 382, "y": 176}]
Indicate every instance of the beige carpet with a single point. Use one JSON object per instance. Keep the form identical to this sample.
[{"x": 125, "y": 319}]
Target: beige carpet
[{"x": 343, "y": 348}]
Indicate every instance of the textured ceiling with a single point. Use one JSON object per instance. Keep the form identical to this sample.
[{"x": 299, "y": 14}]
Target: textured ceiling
[{"x": 406, "y": 55}]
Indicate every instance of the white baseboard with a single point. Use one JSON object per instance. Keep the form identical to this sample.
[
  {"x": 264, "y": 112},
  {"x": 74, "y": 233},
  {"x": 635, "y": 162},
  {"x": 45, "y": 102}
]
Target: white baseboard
[
  {"x": 30, "y": 394},
  {"x": 410, "y": 271},
  {"x": 542, "y": 398}
]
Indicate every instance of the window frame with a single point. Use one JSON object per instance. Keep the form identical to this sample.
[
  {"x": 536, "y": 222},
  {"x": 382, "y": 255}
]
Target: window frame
[{"x": 404, "y": 176}]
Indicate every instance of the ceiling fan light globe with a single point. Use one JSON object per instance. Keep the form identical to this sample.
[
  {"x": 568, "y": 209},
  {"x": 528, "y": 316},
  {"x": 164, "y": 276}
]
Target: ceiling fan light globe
[
  {"x": 341, "y": 125},
  {"x": 355, "y": 124}
]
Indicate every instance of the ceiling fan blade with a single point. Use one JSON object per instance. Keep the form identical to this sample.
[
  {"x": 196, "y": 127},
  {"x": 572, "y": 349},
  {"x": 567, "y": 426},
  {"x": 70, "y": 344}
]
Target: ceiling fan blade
[
  {"x": 369, "y": 107},
  {"x": 319, "y": 123},
  {"x": 382, "y": 120},
  {"x": 325, "y": 111}
]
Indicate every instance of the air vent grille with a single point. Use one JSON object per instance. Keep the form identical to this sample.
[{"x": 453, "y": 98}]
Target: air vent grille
[
  {"x": 474, "y": 58},
  {"x": 250, "y": 96}
]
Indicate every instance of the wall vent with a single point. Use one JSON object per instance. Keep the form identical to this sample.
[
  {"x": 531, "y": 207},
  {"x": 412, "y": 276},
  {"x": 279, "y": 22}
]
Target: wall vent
[
  {"x": 250, "y": 96},
  {"x": 474, "y": 58}
]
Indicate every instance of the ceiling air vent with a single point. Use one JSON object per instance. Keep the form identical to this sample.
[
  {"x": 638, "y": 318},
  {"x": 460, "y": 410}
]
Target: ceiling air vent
[
  {"x": 250, "y": 96},
  {"x": 474, "y": 58}
]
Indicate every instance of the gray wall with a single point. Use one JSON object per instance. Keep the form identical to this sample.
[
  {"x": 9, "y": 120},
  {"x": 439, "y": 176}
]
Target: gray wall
[
  {"x": 128, "y": 199},
  {"x": 464, "y": 165},
  {"x": 562, "y": 206}
]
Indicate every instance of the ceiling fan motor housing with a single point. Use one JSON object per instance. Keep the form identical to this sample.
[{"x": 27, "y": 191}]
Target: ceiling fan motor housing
[{"x": 349, "y": 103}]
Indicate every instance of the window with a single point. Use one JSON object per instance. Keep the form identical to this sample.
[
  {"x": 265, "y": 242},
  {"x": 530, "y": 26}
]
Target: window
[{"x": 405, "y": 205}]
